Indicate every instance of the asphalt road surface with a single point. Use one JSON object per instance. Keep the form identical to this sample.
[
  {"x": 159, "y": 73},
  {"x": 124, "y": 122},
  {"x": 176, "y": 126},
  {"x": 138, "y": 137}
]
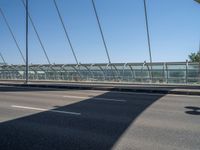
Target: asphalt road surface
[{"x": 58, "y": 119}]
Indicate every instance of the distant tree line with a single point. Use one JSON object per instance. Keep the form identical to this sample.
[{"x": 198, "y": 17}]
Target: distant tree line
[{"x": 194, "y": 57}]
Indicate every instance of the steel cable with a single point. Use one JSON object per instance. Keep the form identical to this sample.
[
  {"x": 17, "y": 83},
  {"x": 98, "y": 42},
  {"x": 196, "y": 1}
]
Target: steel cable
[
  {"x": 12, "y": 34},
  {"x": 66, "y": 33}
]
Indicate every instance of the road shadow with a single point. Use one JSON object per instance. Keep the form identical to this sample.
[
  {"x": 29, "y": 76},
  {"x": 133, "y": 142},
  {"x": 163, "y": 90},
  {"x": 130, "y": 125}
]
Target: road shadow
[{"x": 100, "y": 125}]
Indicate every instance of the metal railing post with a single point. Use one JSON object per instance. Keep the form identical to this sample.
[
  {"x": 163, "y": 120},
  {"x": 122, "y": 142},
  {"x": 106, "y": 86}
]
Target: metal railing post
[
  {"x": 186, "y": 73},
  {"x": 26, "y": 42},
  {"x": 167, "y": 71}
]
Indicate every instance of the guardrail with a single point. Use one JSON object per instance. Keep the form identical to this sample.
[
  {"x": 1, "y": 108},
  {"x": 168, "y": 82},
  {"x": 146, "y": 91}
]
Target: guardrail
[{"x": 162, "y": 72}]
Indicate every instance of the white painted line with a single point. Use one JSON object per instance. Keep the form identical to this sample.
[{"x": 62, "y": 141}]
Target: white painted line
[
  {"x": 138, "y": 93},
  {"x": 177, "y": 95},
  {"x": 95, "y": 98},
  {"x": 42, "y": 109},
  {"x": 144, "y": 93},
  {"x": 160, "y": 94}
]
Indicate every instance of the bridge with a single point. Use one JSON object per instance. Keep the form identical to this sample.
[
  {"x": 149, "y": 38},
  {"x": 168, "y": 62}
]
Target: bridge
[
  {"x": 107, "y": 105},
  {"x": 145, "y": 72}
]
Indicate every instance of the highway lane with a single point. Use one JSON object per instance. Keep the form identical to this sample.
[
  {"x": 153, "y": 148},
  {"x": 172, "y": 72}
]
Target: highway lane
[{"x": 35, "y": 118}]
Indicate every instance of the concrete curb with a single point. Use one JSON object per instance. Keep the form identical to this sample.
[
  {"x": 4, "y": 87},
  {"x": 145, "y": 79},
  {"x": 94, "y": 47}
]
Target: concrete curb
[
  {"x": 106, "y": 83},
  {"x": 110, "y": 88}
]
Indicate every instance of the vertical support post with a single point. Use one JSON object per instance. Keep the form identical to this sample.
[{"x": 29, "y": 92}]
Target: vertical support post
[
  {"x": 148, "y": 37},
  {"x": 199, "y": 64},
  {"x": 163, "y": 77},
  {"x": 26, "y": 42},
  {"x": 199, "y": 73},
  {"x": 122, "y": 79},
  {"x": 186, "y": 73},
  {"x": 199, "y": 48},
  {"x": 132, "y": 72},
  {"x": 142, "y": 69},
  {"x": 167, "y": 71}
]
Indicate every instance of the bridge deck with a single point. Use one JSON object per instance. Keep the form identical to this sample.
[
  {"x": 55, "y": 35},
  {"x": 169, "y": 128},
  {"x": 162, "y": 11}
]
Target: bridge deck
[
  {"x": 46, "y": 118},
  {"x": 113, "y": 86}
]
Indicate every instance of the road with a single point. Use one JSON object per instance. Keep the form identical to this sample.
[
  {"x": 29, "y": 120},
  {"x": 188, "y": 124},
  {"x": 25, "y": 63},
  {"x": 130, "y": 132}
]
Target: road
[{"x": 60, "y": 119}]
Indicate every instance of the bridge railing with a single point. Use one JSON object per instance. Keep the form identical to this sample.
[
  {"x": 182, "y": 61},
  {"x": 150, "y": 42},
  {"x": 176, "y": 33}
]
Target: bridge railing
[{"x": 168, "y": 72}]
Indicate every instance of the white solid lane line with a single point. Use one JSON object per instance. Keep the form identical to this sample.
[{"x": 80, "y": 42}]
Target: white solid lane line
[
  {"x": 145, "y": 93},
  {"x": 42, "y": 109},
  {"x": 95, "y": 98}
]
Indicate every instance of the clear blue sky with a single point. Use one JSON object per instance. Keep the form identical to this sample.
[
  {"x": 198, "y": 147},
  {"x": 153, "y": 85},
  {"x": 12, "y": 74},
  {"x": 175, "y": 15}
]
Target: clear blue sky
[{"x": 174, "y": 29}]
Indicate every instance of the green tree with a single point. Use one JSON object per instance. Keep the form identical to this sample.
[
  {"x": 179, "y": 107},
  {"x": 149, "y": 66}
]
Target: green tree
[
  {"x": 194, "y": 57},
  {"x": 198, "y": 1}
]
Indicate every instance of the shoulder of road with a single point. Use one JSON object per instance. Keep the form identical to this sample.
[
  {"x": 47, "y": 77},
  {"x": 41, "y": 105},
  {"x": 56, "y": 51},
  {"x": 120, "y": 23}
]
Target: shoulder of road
[{"x": 111, "y": 86}]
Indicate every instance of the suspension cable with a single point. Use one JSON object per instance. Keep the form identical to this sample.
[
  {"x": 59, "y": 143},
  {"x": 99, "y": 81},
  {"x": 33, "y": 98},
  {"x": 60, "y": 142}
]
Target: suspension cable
[
  {"x": 148, "y": 37},
  {"x": 37, "y": 34},
  {"x": 2, "y": 58},
  {"x": 101, "y": 31},
  {"x": 65, "y": 30},
  {"x": 12, "y": 34}
]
